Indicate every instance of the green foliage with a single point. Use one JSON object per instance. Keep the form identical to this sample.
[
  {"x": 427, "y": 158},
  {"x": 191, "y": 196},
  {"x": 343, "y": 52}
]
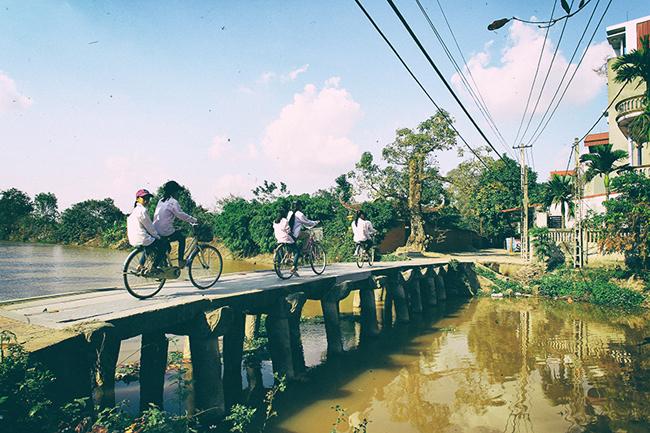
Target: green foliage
[
  {"x": 411, "y": 177},
  {"x": 625, "y": 225},
  {"x": 588, "y": 286},
  {"x": 24, "y": 389},
  {"x": 559, "y": 191},
  {"x": 601, "y": 161},
  {"x": 342, "y": 417},
  {"x": 88, "y": 219},
  {"x": 545, "y": 249},
  {"x": 15, "y": 206},
  {"x": 240, "y": 417},
  {"x": 482, "y": 194}
]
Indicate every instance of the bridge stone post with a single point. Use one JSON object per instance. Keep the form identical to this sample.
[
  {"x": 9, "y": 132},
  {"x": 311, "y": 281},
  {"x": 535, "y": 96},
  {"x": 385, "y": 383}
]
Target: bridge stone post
[
  {"x": 296, "y": 302},
  {"x": 233, "y": 350},
  {"x": 204, "y": 331},
  {"x": 472, "y": 278},
  {"x": 381, "y": 281},
  {"x": 330, "y": 305},
  {"x": 106, "y": 346},
  {"x": 277, "y": 329},
  {"x": 412, "y": 283},
  {"x": 153, "y": 363},
  {"x": 441, "y": 288},
  {"x": 369, "y": 327},
  {"x": 428, "y": 287},
  {"x": 398, "y": 297},
  {"x": 252, "y": 327}
]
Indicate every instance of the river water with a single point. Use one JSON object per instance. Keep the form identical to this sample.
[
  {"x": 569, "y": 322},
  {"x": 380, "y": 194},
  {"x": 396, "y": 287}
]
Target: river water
[
  {"x": 40, "y": 269},
  {"x": 483, "y": 366}
]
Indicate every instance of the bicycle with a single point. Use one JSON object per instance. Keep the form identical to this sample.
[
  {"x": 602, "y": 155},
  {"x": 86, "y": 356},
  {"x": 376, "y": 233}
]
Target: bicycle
[
  {"x": 204, "y": 264},
  {"x": 313, "y": 252},
  {"x": 365, "y": 253}
]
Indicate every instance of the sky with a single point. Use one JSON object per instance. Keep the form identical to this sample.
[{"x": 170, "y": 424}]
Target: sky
[{"x": 101, "y": 98}]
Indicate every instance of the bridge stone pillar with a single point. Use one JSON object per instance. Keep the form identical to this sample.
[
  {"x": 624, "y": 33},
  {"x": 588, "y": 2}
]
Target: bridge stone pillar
[
  {"x": 296, "y": 302},
  {"x": 398, "y": 297},
  {"x": 277, "y": 329},
  {"x": 472, "y": 278},
  {"x": 428, "y": 287},
  {"x": 385, "y": 301},
  {"x": 233, "y": 350},
  {"x": 441, "y": 289},
  {"x": 252, "y": 328},
  {"x": 412, "y": 283},
  {"x": 106, "y": 345},
  {"x": 369, "y": 327},
  {"x": 330, "y": 305},
  {"x": 153, "y": 363}
]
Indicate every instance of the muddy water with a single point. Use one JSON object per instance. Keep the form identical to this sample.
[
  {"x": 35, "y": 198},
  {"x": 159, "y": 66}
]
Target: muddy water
[
  {"x": 39, "y": 269},
  {"x": 485, "y": 366}
]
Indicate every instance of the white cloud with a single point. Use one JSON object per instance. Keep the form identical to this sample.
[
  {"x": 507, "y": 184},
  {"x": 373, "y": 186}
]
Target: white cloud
[
  {"x": 505, "y": 84},
  {"x": 245, "y": 90},
  {"x": 311, "y": 134},
  {"x": 266, "y": 77},
  {"x": 220, "y": 147},
  {"x": 232, "y": 184},
  {"x": 292, "y": 75},
  {"x": 10, "y": 97}
]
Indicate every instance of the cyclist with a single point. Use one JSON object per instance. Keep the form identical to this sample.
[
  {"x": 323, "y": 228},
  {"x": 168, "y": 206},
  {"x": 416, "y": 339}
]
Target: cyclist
[
  {"x": 297, "y": 220},
  {"x": 362, "y": 232},
  {"x": 141, "y": 231},
  {"x": 167, "y": 210}
]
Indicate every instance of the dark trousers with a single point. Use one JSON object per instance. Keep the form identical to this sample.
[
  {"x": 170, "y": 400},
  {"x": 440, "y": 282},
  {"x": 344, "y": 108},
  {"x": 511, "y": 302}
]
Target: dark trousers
[
  {"x": 157, "y": 250},
  {"x": 178, "y": 236}
]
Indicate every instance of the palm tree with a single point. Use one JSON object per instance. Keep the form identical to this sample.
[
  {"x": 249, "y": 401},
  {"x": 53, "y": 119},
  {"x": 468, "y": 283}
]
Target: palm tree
[
  {"x": 630, "y": 67},
  {"x": 559, "y": 191},
  {"x": 602, "y": 161}
]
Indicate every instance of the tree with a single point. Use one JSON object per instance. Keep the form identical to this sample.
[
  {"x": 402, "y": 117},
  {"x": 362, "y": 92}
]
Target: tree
[
  {"x": 89, "y": 219},
  {"x": 559, "y": 192},
  {"x": 46, "y": 207},
  {"x": 626, "y": 222},
  {"x": 269, "y": 191},
  {"x": 411, "y": 176},
  {"x": 15, "y": 205},
  {"x": 602, "y": 162},
  {"x": 44, "y": 218},
  {"x": 630, "y": 67}
]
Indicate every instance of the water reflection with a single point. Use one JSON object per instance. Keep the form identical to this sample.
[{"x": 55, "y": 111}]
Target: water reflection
[{"x": 506, "y": 366}]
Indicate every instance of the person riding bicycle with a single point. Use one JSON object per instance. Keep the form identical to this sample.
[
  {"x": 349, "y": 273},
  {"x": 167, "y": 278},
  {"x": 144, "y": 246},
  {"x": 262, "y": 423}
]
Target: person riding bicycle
[
  {"x": 297, "y": 220},
  {"x": 167, "y": 210},
  {"x": 362, "y": 232},
  {"x": 141, "y": 231}
]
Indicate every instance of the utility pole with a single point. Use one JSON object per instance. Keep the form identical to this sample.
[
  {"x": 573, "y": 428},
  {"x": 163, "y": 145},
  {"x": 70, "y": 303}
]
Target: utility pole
[
  {"x": 524, "y": 208},
  {"x": 578, "y": 253}
]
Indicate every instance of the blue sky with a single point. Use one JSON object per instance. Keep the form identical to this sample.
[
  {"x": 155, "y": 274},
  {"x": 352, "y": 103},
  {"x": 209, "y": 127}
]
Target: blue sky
[{"x": 99, "y": 99}]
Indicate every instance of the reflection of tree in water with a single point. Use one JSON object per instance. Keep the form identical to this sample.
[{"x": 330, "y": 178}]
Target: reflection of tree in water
[{"x": 406, "y": 400}]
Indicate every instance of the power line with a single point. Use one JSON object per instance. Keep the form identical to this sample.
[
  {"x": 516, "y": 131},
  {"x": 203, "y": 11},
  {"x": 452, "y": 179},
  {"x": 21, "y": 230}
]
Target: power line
[
  {"x": 532, "y": 85},
  {"x": 381, "y": 33},
  {"x": 481, "y": 106},
  {"x": 574, "y": 73},
  {"x": 548, "y": 73},
  {"x": 431, "y": 62}
]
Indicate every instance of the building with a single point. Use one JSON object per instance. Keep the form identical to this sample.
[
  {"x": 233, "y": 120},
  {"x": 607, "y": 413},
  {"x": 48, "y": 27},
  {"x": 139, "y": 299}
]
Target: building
[{"x": 625, "y": 104}]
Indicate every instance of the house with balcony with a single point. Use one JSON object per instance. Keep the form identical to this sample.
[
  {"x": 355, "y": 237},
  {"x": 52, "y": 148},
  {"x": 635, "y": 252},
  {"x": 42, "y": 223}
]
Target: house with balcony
[{"x": 628, "y": 104}]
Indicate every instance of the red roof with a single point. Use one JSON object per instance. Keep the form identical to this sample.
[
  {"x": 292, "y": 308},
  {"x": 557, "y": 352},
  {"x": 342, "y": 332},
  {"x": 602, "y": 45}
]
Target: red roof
[
  {"x": 563, "y": 172},
  {"x": 597, "y": 139}
]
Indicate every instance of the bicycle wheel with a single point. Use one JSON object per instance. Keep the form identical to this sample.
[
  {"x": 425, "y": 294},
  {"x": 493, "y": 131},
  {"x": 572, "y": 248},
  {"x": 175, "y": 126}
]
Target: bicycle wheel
[
  {"x": 317, "y": 258},
  {"x": 370, "y": 255},
  {"x": 205, "y": 266},
  {"x": 283, "y": 261},
  {"x": 136, "y": 281},
  {"x": 360, "y": 256}
]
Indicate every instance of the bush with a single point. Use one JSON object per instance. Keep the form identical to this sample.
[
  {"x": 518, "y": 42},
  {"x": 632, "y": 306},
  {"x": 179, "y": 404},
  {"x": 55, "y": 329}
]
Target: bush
[
  {"x": 590, "y": 286},
  {"x": 545, "y": 250}
]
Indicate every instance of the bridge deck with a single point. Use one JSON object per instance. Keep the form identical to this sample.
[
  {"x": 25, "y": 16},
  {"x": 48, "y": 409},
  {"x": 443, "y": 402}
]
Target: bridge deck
[{"x": 177, "y": 301}]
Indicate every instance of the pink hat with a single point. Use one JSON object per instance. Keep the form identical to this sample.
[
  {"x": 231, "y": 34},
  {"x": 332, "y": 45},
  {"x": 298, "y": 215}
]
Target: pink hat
[{"x": 143, "y": 193}]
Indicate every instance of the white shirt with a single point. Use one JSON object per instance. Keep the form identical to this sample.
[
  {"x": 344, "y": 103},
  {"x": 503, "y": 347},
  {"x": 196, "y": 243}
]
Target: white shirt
[
  {"x": 300, "y": 221},
  {"x": 139, "y": 227},
  {"x": 363, "y": 230},
  {"x": 281, "y": 231},
  {"x": 166, "y": 212}
]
